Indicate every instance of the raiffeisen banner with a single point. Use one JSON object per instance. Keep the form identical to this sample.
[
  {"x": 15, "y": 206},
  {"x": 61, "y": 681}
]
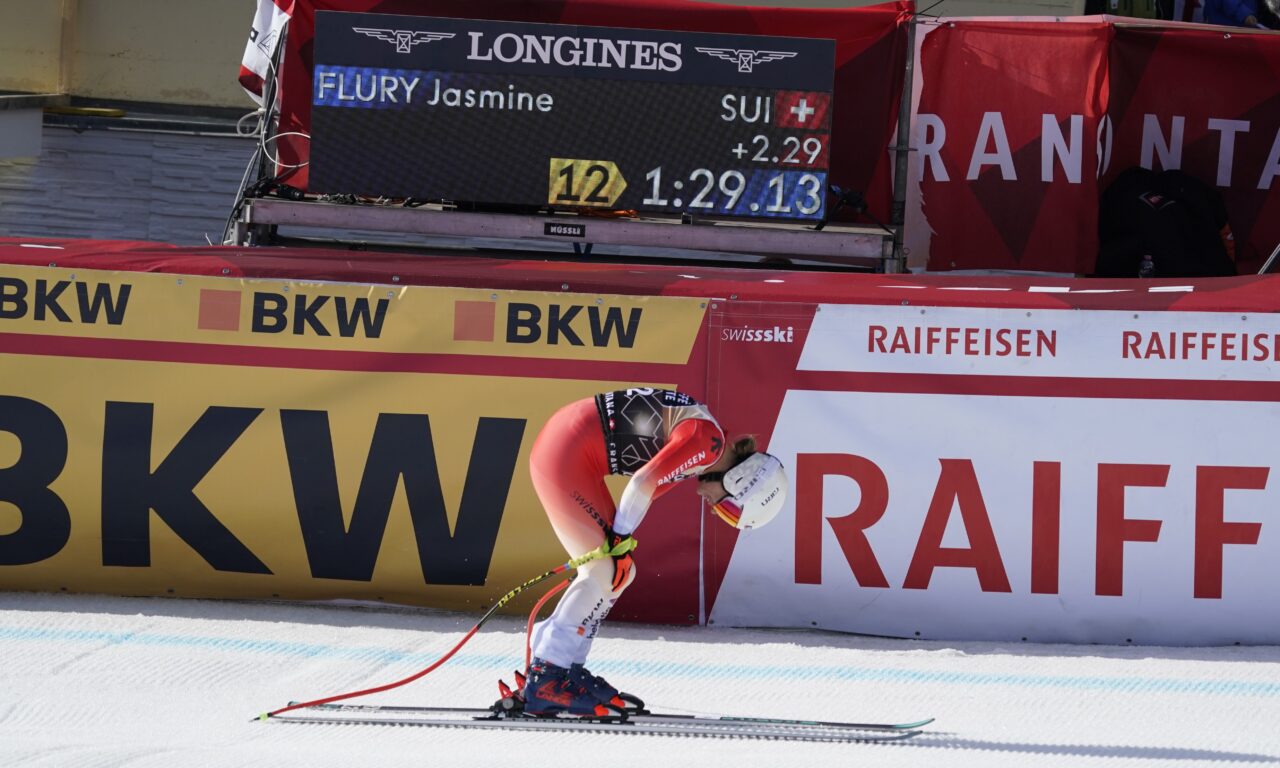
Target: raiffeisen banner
[{"x": 971, "y": 472}]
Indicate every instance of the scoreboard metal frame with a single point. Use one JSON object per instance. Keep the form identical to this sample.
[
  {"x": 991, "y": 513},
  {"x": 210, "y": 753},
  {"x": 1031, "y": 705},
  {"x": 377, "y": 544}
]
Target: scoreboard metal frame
[{"x": 260, "y": 221}]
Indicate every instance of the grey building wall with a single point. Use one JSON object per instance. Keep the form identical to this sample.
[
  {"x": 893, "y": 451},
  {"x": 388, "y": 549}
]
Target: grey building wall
[
  {"x": 123, "y": 185},
  {"x": 136, "y": 184},
  {"x": 169, "y": 187}
]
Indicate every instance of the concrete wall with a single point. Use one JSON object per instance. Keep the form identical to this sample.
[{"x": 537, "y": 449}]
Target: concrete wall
[
  {"x": 31, "y": 42},
  {"x": 166, "y": 51},
  {"x": 188, "y": 51}
]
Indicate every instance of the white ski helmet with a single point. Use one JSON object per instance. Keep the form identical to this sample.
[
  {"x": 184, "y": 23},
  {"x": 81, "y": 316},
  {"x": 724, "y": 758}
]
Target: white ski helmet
[{"x": 757, "y": 489}]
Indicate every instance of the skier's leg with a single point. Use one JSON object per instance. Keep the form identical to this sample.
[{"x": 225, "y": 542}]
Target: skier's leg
[
  {"x": 600, "y": 574},
  {"x": 564, "y": 637},
  {"x": 561, "y": 643},
  {"x": 567, "y": 466}
]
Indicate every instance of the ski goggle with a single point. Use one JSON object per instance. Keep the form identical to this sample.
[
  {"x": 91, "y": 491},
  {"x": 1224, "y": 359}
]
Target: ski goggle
[
  {"x": 728, "y": 511},
  {"x": 724, "y": 508}
]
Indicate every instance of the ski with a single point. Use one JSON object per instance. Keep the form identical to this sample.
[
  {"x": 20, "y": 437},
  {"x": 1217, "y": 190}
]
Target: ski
[
  {"x": 651, "y": 723},
  {"x": 480, "y": 712},
  {"x": 677, "y": 727}
]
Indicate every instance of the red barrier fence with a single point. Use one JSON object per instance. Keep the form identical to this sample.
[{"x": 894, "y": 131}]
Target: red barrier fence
[
  {"x": 970, "y": 458},
  {"x": 1021, "y": 124}
]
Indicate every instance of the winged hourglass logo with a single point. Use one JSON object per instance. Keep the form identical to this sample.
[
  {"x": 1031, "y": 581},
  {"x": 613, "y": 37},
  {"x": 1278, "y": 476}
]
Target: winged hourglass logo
[
  {"x": 403, "y": 39},
  {"x": 745, "y": 58}
]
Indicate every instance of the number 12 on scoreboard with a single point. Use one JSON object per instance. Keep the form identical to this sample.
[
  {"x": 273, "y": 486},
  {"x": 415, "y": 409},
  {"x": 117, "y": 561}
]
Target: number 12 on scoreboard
[{"x": 596, "y": 183}]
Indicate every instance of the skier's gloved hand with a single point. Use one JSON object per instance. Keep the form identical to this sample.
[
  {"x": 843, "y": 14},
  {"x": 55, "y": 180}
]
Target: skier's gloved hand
[{"x": 619, "y": 548}]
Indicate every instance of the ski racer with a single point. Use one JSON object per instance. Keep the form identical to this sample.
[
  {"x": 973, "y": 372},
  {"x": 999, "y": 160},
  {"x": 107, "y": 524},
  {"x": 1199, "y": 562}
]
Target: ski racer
[{"x": 658, "y": 437}]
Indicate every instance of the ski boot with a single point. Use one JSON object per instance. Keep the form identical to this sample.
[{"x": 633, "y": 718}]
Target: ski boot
[
  {"x": 550, "y": 691},
  {"x": 606, "y": 693}
]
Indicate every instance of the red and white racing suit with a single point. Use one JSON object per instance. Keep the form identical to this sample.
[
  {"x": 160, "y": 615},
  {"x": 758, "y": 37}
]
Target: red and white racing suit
[{"x": 657, "y": 436}]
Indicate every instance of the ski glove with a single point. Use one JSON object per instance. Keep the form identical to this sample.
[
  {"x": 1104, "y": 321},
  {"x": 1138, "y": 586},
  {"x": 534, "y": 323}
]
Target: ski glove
[{"x": 619, "y": 548}]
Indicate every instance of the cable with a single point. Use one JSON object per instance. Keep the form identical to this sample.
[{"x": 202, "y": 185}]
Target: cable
[
  {"x": 578, "y": 562},
  {"x": 239, "y": 203},
  {"x": 264, "y": 114},
  {"x": 276, "y": 160},
  {"x": 925, "y": 12},
  {"x": 240, "y": 130}
]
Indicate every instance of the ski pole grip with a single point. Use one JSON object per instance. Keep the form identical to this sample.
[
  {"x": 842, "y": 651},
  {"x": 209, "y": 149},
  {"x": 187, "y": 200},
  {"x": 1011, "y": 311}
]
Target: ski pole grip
[
  {"x": 595, "y": 554},
  {"x": 604, "y": 550},
  {"x": 622, "y": 547}
]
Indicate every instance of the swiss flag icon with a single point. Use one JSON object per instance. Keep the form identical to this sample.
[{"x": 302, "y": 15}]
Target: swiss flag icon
[{"x": 802, "y": 109}]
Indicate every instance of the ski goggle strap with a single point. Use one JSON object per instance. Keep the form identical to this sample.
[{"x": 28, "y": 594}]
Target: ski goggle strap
[{"x": 728, "y": 511}]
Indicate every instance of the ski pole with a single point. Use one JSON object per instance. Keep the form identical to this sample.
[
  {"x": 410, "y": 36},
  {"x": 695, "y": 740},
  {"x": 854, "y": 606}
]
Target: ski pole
[{"x": 602, "y": 551}]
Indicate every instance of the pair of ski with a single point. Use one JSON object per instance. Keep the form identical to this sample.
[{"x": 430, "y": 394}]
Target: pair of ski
[{"x": 509, "y": 717}]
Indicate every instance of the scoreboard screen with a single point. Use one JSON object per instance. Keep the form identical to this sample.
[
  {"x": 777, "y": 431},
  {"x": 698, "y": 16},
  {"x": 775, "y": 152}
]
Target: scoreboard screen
[{"x": 554, "y": 115}]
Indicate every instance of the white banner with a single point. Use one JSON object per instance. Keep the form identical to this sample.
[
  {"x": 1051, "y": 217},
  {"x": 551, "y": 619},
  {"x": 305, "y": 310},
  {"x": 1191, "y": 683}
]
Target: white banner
[
  {"x": 928, "y": 501},
  {"x": 1144, "y": 499},
  {"x": 1204, "y": 346}
]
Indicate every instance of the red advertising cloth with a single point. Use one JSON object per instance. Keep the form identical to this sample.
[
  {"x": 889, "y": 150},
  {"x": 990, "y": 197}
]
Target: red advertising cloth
[
  {"x": 1021, "y": 125},
  {"x": 1208, "y": 102},
  {"x": 1006, "y": 127},
  {"x": 870, "y": 62}
]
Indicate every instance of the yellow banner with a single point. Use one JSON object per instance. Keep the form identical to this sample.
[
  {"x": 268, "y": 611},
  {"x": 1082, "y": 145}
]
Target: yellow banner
[
  {"x": 342, "y": 316},
  {"x": 168, "y": 444}
]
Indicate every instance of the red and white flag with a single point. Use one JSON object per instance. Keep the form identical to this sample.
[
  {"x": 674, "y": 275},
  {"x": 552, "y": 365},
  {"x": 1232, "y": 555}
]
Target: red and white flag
[
  {"x": 264, "y": 35},
  {"x": 802, "y": 109}
]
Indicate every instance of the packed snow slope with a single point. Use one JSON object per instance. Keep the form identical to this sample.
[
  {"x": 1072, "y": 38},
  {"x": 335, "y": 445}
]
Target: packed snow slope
[{"x": 112, "y": 682}]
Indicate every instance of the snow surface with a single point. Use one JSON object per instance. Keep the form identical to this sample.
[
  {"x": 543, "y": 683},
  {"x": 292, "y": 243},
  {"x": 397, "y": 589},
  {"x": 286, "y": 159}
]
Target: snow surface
[{"x": 159, "y": 683}]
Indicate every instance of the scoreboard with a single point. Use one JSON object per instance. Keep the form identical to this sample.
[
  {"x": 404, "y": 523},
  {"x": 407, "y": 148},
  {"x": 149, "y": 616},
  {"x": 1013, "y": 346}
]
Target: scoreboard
[{"x": 552, "y": 115}]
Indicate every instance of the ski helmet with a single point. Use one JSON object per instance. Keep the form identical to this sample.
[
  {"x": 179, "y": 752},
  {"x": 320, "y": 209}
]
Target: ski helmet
[{"x": 757, "y": 489}]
